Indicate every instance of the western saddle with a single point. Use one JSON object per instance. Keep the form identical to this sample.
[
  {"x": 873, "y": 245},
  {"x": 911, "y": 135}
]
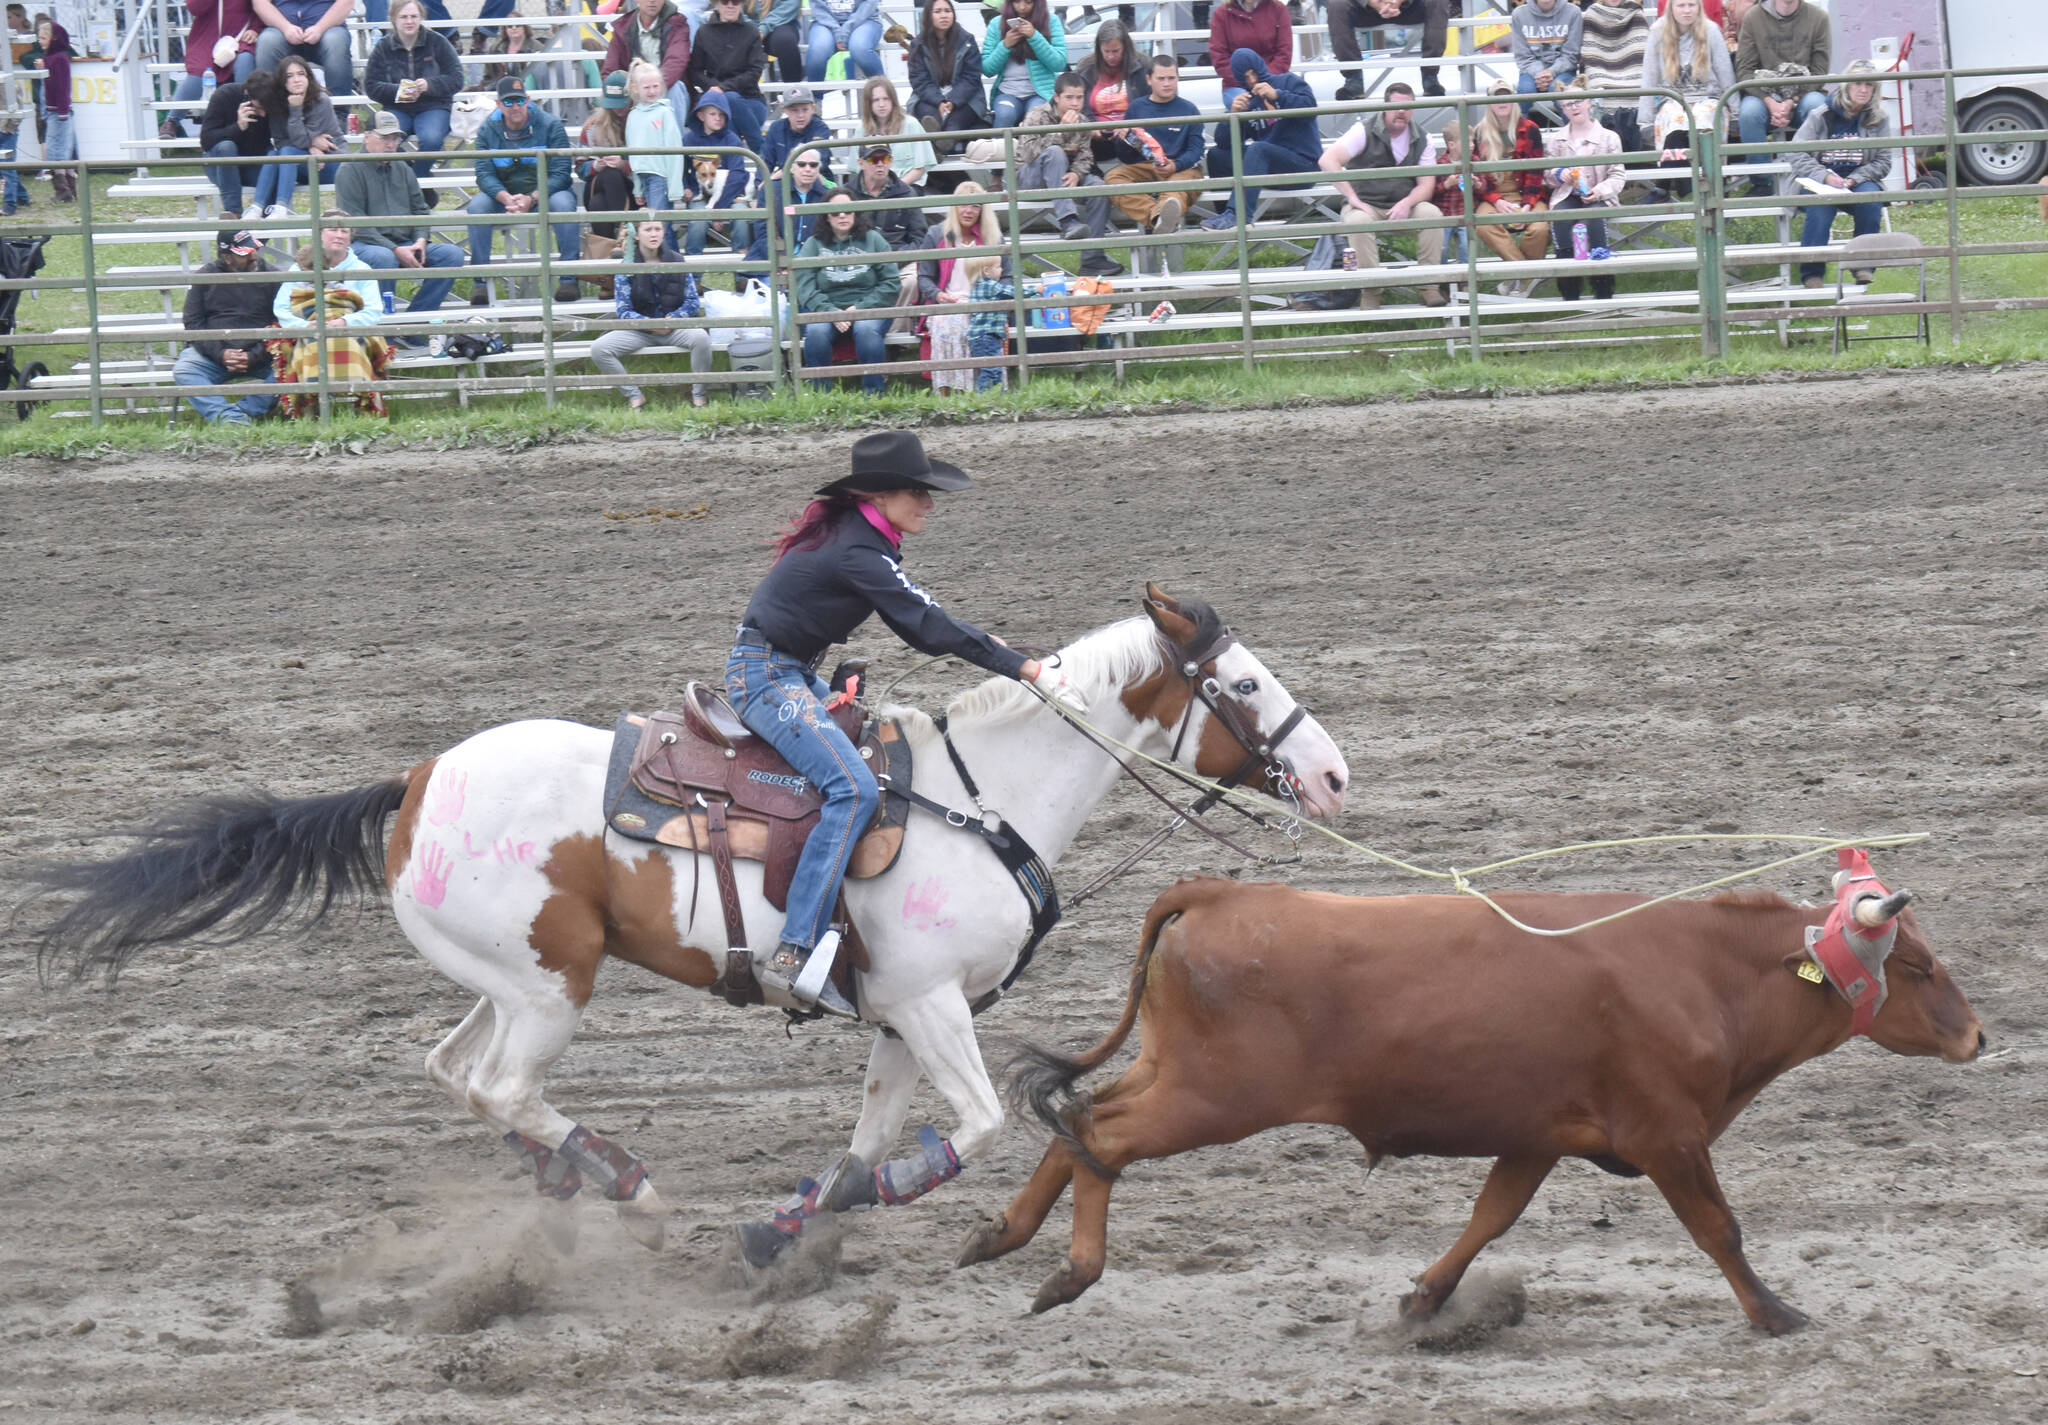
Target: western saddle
[{"x": 700, "y": 781}]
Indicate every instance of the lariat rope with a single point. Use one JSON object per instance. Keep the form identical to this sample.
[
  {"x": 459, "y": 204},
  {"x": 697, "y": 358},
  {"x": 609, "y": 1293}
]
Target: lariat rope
[{"x": 1459, "y": 879}]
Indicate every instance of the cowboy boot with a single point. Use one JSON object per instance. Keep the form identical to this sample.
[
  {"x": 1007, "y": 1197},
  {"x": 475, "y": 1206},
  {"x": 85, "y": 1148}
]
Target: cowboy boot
[{"x": 803, "y": 975}]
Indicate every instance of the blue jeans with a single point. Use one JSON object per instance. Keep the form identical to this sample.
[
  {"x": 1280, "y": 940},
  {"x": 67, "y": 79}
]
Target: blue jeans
[
  {"x": 275, "y": 182},
  {"x": 429, "y": 129},
  {"x": 870, "y": 344},
  {"x": 433, "y": 291},
  {"x": 742, "y": 238},
  {"x": 1559, "y": 79},
  {"x": 194, "y": 85},
  {"x": 194, "y": 369},
  {"x": 986, "y": 378},
  {"x": 227, "y": 178},
  {"x": 566, "y": 242},
  {"x": 16, "y": 193},
  {"x": 1260, "y": 158},
  {"x": 1752, "y": 119},
  {"x": 861, "y": 43},
  {"x": 60, "y": 141},
  {"x": 1008, "y": 110},
  {"x": 1820, "y": 221},
  {"x": 782, "y": 701},
  {"x": 330, "y": 52}
]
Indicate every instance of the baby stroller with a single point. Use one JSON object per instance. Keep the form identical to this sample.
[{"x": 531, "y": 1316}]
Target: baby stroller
[{"x": 19, "y": 257}]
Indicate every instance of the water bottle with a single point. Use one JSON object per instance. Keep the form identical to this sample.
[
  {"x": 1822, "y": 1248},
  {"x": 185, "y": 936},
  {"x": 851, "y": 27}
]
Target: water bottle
[
  {"x": 1579, "y": 248},
  {"x": 207, "y": 84}
]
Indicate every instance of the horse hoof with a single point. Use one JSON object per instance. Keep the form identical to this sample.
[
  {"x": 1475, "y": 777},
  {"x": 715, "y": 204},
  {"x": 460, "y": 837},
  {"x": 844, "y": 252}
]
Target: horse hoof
[
  {"x": 760, "y": 1243},
  {"x": 1415, "y": 1306},
  {"x": 1784, "y": 1320},
  {"x": 983, "y": 1243},
  {"x": 645, "y": 1217},
  {"x": 1060, "y": 1288}
]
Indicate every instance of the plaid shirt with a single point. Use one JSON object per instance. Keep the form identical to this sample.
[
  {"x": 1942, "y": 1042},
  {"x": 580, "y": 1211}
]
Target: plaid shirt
[{"x": 989, "y": 289}]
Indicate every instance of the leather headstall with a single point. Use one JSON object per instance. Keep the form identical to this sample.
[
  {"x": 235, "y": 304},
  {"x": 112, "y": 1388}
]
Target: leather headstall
[{"x": 1260, "y": 751}]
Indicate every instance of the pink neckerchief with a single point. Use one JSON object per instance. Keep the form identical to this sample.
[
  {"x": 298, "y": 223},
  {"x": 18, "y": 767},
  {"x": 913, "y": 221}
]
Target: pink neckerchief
[{"x": 876, "y": 518}]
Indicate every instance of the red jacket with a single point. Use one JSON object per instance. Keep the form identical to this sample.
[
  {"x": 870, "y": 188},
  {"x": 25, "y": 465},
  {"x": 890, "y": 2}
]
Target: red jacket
[
  {"x": 675, "y": 45},
  {"x": 1264, "y": 28}
]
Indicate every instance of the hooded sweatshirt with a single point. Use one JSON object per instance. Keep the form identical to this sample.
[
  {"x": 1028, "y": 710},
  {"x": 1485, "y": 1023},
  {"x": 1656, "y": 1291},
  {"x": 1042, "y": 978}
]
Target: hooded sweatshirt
[
  {"x": 1547, "y": 39},
  {"x": 1771, "y": 40},
  {"x": 1265, "y": 29},
  {"x": 696, "y": 136},
  {"x": 652, "y": 125},
  {"x": 1296, "y": 133},
  {"x": 57, "y": 73},
  {"x": 1851, "y": 159}
]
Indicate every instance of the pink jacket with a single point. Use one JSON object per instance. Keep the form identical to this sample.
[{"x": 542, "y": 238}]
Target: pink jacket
[{"x": 1605, "y": 178}]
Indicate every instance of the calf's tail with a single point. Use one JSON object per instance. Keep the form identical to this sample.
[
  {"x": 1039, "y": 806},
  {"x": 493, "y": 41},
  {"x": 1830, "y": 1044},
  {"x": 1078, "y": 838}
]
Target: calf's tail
[
  {"x": 232, "y": 864},
  {"x": 1041, "y": 1081}
]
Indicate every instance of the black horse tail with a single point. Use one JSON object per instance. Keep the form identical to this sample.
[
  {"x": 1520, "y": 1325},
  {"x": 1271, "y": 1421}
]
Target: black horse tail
[
  {"x": 1041, "y": 1081},
  {"x": 228, "y": 864}
]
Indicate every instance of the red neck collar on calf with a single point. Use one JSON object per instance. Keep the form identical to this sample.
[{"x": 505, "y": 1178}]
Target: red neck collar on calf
[{"x": 1850, "y": 956}]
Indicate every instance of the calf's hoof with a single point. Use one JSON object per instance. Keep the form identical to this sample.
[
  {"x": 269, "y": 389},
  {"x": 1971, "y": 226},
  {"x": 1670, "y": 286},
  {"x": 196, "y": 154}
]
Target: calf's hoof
[
  {"x": 1420, "y": 1305},
  {"x": 1061, "y": 1287},
  {"x": 984, "y": 1243},
  {"x": 644, "y": 1216},
  {"x": 1782, "y": 1320}
]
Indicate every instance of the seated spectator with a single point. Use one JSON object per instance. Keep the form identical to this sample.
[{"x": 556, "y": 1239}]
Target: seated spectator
[
  {"x": 851, "y": 26},
  {"x": 847, "y": 289},
  {"x": 383, "y": 193},
  {"x": 244, "y": 120},
  {"x": 882, "y": 118},
  {"x": 240, "y": 306},
  {"x": 1777, "y": 35},
  {"x": 1546, "y": 36},
  {"x": 379, "y": 11},
  {"x": 1580, "y": 186},
  {"x": 968, "y": 233},
  {"x": 1283, "y": 143},
  {"x": 311, "y": 29},
  {"x": 310, "y": 128},
  {"x": 608, "y": 181},
  {"x": 1612, "y": 37},
  {"x": 220, "y": 36},
  {"x": 715, "y": 181},
  {"x": 782, "y": 32},
  {"x": 60, "y": 140},
  {"x": 1025, "y": 51},
  {"x": 1261, "y": 26},
  {"x": 515, "y": 38},
  {"x": 1112, "y": 76},
  {"x": 604, "y": 127},
  {"x": 415, "y": 74},
  {"x": 988, "y": 332},
  {"x": 352, "y": 351},
  {"x": 1852, "y": 116},
  {"x": 513, "y": 183},
  {"x": 945, "y": 76},
  {"x": 799, "y": 124},
  {"x": 1504, "y": 132},
  {"x": 657, "y": 33},
  {"x": 661, "y": 178},
  {"x": 1348, "y": 17},
  {"x": 1733, "y": 13},
  {"x": 1388, "y": 140},
  {"x": 727, "y": 54},
  {"x": 1064, "y": 160},
  {"x": 653, "y": 296},
  {"x": 902, "y": 228},
  {"x": 1687, "y": 54},
  {"x": 1159, "y": 153},
  {"x": 803, "y": 182}
]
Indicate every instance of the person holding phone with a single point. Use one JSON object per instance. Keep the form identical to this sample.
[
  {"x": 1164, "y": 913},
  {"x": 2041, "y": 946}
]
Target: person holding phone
[{"x": 1026, "y": 53}]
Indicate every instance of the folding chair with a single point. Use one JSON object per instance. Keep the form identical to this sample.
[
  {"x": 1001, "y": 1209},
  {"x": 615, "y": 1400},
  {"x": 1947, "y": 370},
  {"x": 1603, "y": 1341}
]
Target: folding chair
[{"x": 1872, "y": 250}]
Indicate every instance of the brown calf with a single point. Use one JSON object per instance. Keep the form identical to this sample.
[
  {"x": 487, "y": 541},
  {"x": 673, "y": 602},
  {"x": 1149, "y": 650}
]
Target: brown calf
[{"x": 1429, "y": 1025}]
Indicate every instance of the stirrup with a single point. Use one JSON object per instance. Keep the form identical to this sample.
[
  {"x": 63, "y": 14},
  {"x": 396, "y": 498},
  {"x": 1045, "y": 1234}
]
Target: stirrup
[{"x": 805, "y": 976}]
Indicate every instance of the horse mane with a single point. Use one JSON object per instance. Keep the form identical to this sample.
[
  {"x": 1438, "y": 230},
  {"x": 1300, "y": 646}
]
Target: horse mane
[{"x": 1102, "y": 663}]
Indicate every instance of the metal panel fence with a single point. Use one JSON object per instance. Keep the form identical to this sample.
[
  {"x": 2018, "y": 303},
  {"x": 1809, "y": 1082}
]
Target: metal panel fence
[{"x": 1246, "y": 326}]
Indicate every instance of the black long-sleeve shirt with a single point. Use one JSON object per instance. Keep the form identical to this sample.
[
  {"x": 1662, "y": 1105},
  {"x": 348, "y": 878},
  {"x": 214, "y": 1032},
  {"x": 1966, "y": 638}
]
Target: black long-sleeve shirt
[{"x": 814, "y": 598}]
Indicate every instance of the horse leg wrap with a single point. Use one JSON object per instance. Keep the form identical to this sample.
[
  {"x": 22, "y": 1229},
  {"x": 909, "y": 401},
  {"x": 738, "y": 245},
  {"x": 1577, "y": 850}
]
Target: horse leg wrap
[
  {"x": 605, "y": 1162},
  {"x": 907, "y": 1179},
  {"x": 791, "y": 1214},
  {"x": 553, "y": 1175}
]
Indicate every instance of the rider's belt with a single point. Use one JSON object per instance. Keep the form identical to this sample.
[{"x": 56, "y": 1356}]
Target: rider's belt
[{"x": 746, "y": 635}]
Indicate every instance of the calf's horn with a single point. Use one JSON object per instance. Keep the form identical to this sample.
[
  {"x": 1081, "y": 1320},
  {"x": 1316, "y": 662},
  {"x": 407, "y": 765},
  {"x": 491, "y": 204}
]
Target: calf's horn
[{"x": 1872, "y": 912}]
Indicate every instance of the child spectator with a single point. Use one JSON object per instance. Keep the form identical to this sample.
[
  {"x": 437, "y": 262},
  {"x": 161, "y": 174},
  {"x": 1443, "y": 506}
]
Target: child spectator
[
  {"x": 715, "y": 181},
  {"x": 945, "y": 75},
  {"x": 882, "y": 117},
  {"x": 662, "y": 178},
  {"x": 799, "y": 124},
  {"x": 60, "y": 144},
  {"x": 1062, "y": 160},
  {"x": 1579, "y": 185},
  {"x": 987, "y": 331},
  {"x": 1159, "y": 153},
  {"x": 652, "y": 296},
  {"x": 1025, "y": 51},
  {"x": 1546, "y": 36}
]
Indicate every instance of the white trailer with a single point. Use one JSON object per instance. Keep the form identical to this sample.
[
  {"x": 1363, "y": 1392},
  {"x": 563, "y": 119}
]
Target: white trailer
[{"x": 1995, "y": 34}]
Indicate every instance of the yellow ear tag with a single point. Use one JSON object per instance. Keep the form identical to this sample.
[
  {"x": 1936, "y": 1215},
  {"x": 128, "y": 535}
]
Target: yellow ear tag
[{"x": 1810, "y": 972}]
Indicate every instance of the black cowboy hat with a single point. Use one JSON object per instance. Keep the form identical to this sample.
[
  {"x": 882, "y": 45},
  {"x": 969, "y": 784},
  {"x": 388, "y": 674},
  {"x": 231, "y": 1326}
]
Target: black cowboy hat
[{"x": 895, "y": 460}]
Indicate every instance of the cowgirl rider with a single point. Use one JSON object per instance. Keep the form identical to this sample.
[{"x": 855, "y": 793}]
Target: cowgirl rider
[{"x": 836, "y": 565}]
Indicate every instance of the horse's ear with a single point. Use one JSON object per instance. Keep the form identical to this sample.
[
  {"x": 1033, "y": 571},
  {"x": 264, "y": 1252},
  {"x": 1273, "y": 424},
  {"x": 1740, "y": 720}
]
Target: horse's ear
[{"x": 1166, "y": 616}]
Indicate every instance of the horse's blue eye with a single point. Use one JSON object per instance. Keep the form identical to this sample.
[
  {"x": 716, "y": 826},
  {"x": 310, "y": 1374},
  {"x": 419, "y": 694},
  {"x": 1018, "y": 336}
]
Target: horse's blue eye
[{"x": 1247, "y": 686}]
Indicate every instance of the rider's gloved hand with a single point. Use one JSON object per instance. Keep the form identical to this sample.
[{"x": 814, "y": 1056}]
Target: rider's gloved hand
[{"x": 1049, "y": 679}]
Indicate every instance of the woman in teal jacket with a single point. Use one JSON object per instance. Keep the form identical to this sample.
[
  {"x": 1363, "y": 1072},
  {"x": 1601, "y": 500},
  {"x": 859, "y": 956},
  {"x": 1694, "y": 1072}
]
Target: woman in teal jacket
[
  {"x": 846, "y": 289},
  {"x": 1024, "y": 51}
]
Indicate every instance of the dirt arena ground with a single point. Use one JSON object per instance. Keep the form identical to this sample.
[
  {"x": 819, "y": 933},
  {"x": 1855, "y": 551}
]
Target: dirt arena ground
[{"x": 232, "y": 1195}]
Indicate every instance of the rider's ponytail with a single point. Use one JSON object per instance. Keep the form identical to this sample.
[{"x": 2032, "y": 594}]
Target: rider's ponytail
[{"x": 809, "y": 529}]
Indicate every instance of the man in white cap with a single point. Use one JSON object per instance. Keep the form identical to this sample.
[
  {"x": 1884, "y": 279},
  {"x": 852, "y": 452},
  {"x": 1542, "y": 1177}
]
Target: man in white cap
[{"x": 384, "y": 193}]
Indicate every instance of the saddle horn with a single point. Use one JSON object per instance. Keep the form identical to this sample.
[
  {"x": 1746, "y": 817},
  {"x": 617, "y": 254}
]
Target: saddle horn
[{"x": 1871, "y": 912}]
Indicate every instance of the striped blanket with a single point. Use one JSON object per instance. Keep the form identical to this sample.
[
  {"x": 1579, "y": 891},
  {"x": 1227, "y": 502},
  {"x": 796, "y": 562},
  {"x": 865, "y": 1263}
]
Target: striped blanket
[{"x": 351, "y": 356}]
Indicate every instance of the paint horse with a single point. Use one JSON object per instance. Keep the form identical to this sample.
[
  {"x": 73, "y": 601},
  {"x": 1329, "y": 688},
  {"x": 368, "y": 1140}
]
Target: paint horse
[{"x": 501, "y": 870}]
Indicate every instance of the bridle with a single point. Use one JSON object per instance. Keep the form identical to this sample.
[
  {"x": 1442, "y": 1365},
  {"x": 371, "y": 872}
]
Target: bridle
[{"x": 1261, "y": 753}]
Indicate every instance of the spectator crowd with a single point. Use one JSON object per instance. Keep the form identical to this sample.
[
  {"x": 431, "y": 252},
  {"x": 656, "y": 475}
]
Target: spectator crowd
[{"x": 680, "y": 77}]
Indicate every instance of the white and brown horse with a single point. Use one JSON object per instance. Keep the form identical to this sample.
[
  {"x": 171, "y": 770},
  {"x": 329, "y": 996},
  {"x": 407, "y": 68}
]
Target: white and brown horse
[{"x": 501, "y": 870}]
